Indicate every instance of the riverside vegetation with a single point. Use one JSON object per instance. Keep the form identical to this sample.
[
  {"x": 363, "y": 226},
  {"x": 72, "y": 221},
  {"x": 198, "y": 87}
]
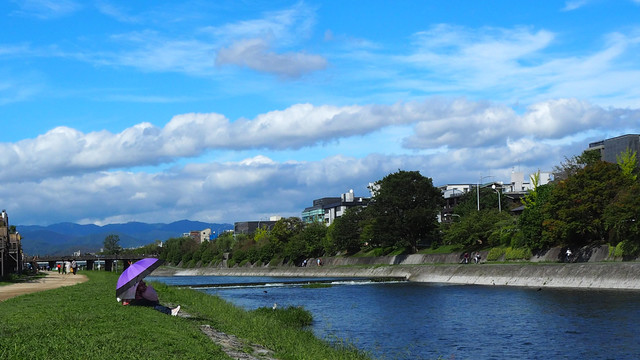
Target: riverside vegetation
[
  {"x": 85, "y": 321},
  {"x": 589, "y": 203}
]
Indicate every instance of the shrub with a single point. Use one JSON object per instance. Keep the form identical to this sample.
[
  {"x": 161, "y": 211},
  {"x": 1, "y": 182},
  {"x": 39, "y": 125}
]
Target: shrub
[
  {"x": 517, "y": 254},
  {"x": 495, "y": 253},
  {"x": 627, "y": 248},
  {"x": 378, "y": 252},
  {"x": 291, "y": 316}
]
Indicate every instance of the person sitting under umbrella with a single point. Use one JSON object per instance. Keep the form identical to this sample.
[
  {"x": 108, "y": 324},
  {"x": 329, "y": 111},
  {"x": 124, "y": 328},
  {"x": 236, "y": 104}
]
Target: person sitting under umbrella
[{"x": 146, "y": 295}]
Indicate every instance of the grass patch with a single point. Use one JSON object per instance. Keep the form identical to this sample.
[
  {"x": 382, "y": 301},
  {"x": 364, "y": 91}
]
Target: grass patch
[
  {"x": 444, "y": 249},
  {"x": 18, "y": 278},
  {"x": 84, "y": 320},
  {"x": 292, "y": 316}
]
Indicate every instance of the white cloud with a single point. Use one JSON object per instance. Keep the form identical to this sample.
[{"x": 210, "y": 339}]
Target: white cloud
[
  {"x": 244, "y": 190},
  {"x": 574, "y": 5},
  {"x": 518, "y": 65},
  {"x": 46, "y": 9},
  {"x": 438, "y": 123},
  {"x": 288, "y": 27},
  {"x": 116, "y": 12},
  {"x": 153, "y": 52},
  {"x": 262, "y": 44},
  {"x": 255, "y": 54},
  {"x": 249, "y": 189}
]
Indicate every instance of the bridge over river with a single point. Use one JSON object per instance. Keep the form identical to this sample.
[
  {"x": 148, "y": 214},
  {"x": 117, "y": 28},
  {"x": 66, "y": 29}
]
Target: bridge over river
[{"x": 110, "y": 262}]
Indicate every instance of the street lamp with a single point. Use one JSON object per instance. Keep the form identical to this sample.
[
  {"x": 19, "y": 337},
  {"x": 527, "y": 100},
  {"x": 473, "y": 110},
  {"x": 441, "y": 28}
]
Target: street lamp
[{"x": 499, "y": 202}]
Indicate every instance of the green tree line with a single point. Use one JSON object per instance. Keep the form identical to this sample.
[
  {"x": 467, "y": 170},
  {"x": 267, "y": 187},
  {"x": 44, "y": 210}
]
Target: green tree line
[{"x": 590, "y": 202}]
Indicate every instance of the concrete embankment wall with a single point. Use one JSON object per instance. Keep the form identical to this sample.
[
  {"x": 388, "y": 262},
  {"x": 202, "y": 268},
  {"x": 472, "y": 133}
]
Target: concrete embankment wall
[{"x": 585, "y": 275}]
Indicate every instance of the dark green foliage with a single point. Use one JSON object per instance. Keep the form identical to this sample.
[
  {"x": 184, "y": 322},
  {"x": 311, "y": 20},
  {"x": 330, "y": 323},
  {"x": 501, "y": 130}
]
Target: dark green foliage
[
  {"x": 150, "y": 249},
  {"x": 285, "y": 229},
  {"x": 405, "y": 208},
  {"x": 292, "y": 316},
  {"x": 576, "y": 206},
  {"x": 346, "y": 231},
  {"x": 572, "y": 165},
  {"x": 479, "y": 229},
  {"x": 468, "y": 202},
  {"x": 309, "y": 241},
  {"x": 533, "y": 216},
  {"x": 622, "y": 219},
  {"x": 112, "y": 245}
]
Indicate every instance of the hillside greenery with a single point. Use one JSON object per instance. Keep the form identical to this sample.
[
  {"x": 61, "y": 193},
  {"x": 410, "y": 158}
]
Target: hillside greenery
[{"x": 590, "y": 202}]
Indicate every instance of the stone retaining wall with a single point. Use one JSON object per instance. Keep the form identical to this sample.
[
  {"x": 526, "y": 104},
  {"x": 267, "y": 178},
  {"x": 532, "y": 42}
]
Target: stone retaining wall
[
  {"x": 585, "y": 275},
  {"x": 544, "y": 270}
]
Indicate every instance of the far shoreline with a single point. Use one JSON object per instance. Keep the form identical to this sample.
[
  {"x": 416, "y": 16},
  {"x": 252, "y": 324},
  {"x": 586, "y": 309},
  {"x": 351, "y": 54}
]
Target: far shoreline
[{"x": 593, "y": 275}]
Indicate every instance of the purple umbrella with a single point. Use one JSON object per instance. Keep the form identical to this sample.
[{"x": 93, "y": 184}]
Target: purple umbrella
[{"x": 136, "y": 272}]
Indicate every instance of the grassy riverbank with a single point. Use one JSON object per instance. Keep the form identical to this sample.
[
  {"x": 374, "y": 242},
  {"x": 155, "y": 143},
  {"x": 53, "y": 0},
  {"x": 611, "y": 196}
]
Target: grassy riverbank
[{"x": 85, "y": 321}]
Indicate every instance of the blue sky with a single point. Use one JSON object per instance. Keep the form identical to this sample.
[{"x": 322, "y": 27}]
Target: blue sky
[{"x": 240, "y": 110}]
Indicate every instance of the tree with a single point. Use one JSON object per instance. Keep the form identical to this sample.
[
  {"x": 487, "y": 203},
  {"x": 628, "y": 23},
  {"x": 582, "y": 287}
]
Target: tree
[
  {"x": 572, "y": 165},
  {"x": 468, "y": 202},
  {"x": 111, "y": 245},
  {"x": 533, "y": 216},
  {"x": 345, "y": 232},
  {"x": 628, "y": 162},
  {"x": 405, "y": 208},
  {"x": 576, "y": 207},
  {"x": 284, "y": 229},
  {"x": 622, "y": 219},
  {"x": 308, "y": 242},
  {"x": 476, "y": 229}
]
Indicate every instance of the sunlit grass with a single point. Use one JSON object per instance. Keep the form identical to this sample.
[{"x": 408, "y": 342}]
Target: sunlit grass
[{"x": 85, "y": 321}]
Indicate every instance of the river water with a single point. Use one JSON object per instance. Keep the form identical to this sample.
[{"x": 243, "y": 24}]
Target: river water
[{"x": 401, "y": 320}]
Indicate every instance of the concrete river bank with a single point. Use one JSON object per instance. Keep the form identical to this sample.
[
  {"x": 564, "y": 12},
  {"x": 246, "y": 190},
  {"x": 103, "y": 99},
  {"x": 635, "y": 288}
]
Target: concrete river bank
[{"x": 603, "y": 275}]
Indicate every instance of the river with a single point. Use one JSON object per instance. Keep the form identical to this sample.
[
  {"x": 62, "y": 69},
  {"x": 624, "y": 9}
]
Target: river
[{"x": 403, "y": 320}]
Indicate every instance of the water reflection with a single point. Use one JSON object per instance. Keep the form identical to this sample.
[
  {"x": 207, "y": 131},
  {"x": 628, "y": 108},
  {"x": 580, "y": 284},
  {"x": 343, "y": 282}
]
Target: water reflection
[{"x": 421, "y": 321}]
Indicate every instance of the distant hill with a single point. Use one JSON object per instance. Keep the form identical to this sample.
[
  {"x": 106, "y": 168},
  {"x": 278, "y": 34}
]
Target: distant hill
[{"x": 65, "y": 238}]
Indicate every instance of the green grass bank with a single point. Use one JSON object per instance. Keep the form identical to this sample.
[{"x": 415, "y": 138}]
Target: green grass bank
[{"x": 85, "y": 321}]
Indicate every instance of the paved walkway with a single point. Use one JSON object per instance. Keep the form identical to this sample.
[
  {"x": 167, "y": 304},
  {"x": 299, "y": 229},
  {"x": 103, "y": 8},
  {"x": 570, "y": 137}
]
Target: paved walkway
[{"x": 53, "y": 280}]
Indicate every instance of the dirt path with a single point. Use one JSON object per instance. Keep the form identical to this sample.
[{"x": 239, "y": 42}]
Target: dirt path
[{"x": 53, "y": 280}]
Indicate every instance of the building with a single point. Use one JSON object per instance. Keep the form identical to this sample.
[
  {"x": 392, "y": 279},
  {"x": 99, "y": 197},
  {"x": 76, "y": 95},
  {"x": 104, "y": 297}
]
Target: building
[
  {"x": 513, "y": 191},
  {"x": 201, "y": 236},
  {"x": 11, "y": 256},
  {"x": 451, "y": 194},
  {"x": 518, "y": 185},
  {"x": 611, "y": 148},
  {"x": 328, "y": 209},
  {"x": 250, "y": 227}
]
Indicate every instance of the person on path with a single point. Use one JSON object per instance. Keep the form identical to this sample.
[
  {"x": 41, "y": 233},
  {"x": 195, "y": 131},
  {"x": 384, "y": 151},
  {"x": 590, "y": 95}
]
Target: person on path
[
  {"x": 146, "y": 295},
  {"x": 569, "y": 253},
  {"x": 64, "y": 267},
  {"x": 74, "y": 266},
  {"x": 59, "y": 268}
]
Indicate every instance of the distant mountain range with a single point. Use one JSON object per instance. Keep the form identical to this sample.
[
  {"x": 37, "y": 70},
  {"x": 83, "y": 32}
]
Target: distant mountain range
[{"x": 65, "y": 238}]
